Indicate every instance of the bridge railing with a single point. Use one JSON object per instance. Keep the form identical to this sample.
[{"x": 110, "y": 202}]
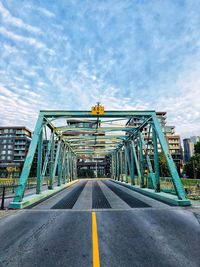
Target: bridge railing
[
  {"x": 10, "y": 185},
  {"x": 191, "y": 186}
]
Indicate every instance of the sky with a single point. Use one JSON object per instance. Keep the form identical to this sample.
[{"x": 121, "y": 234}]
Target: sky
[{"x": 128, "y": 55}]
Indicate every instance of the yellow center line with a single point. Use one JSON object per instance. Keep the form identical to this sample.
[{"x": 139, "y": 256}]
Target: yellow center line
[{"x": 95, "y": 243}]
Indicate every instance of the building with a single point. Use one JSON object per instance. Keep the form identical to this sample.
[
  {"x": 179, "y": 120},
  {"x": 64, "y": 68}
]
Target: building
[
  {"x": 174, "y": 143},
  {"x": 14, "y": 144},
  {"x": 188, "y": 149},
  {"x": 90, "y": 165},
  {"x": 195, "y": 139},
  {"x": 172, "y": 138}
]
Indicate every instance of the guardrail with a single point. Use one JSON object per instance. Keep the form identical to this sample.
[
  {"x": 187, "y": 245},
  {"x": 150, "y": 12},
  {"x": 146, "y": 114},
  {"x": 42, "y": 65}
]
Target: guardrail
[
  {"x": 8, "y": 185},
  {"x": 191, "y": 186}
]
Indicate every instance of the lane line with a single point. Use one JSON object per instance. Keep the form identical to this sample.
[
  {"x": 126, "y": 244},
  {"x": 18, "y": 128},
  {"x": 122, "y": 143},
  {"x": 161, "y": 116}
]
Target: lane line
[{"x": 95, "y": 243}]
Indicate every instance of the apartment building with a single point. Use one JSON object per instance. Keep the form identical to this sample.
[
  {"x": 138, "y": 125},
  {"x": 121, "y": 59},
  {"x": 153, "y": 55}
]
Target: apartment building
[
  {"x": 14, "y": 144},
  {"x": 172, "y": 138},
  {"x": 174, "y": 143}
]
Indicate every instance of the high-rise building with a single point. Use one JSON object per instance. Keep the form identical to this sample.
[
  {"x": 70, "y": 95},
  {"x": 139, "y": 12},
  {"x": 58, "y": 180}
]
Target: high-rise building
[
  {"x": 14, "y": 144},
  {"x": 188, "y": 149},
  {"x": 195, "y": 139},
  {"x": 174, "y": 143},
  {"x": 172, "y": 139}
]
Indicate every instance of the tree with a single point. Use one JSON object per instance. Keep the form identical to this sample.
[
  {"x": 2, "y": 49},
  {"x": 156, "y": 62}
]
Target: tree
[
  {"x": 197, "y": 148},
  {"x": 164, "y": 171},
  {"x": 192, "y": 168},
  {"x": 10, "y": 171}
]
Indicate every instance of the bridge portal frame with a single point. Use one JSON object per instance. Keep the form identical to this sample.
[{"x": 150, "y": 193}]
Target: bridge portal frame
[{"x": 132, "y": 144}]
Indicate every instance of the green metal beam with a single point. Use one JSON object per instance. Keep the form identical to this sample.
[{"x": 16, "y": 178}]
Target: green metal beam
[
  {"x": 88, "y": 114},
  {"x": 172, "y": 168},
  {"x": 29, "y": 159},
  {"x": 39, "y": 163}
]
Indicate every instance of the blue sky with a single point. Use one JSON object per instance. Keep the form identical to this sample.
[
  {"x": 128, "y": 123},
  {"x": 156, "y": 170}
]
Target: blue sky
[{"x": 126, "y": 54}]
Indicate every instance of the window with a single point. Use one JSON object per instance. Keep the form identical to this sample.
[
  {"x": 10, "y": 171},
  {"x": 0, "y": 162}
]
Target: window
[
  {"x": 6, "y": 131},
  {"x": 9, "y": 157},
  {"x": 10, "y": 146},
  {"x": 3, "y": 157},
  {"x": 3, "y": 152},
  {"x": 9, "y": 152},
  {"x": 4, "y": 141},
  {"x": 4, "y": 147}
]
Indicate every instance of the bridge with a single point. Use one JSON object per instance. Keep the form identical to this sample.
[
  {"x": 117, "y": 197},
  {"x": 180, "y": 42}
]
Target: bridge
[{"x": 130, "y": 216}]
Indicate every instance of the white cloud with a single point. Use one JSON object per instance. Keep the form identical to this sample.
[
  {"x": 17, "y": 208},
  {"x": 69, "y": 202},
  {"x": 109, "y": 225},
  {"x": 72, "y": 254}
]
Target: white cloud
[
  {"x": 46, "y": 12},
  {"x": 28, "y": 40},
  {"x": 8, "y": 18},
  {"x": 25, "y": 103}
]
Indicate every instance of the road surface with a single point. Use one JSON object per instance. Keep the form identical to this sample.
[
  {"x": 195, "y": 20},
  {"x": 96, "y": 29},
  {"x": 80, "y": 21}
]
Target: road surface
[{"x": 100, "y": 222}]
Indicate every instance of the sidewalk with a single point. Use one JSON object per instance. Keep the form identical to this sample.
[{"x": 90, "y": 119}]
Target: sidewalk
[{"x": 28, "y": 192}]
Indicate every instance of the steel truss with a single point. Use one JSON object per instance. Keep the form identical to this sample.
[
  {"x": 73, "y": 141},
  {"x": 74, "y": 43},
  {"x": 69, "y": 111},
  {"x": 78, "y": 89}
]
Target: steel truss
[{"x": 127, "y": 147}]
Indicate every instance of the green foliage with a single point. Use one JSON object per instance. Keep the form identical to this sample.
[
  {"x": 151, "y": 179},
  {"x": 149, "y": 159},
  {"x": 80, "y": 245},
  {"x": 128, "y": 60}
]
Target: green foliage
[
  {"x": 192, "y": 168},
  {"x": 164, "y": 172},
  {"x": 86, "y": 173},
  {"x": 197, "y": 148},
  {"x": 188, "y": 169}
]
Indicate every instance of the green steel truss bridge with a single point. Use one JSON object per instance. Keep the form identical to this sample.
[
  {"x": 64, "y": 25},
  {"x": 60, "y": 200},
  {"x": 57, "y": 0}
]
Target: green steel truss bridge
[{"x": 108, "y": 133}]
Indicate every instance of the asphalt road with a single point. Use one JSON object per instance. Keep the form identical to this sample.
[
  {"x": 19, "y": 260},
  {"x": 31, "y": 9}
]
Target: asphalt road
[{"x": 150, "y": 235}]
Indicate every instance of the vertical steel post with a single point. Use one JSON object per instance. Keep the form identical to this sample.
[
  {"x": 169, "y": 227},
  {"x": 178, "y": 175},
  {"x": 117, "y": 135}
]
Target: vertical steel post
[
  {"x": 64, "y": 166},
  {"x": 56, "y": 162},
  {"x": 118, "y": 170},
  {"x": 119, "y": 161},
  {"x": 46, "y": 159},
  {"x": 39, "y": 163},
  {"x": 149, "y": 165},
  {"x": 156, "y": 160},
  {"x": 128, "y": 159},
  {"x": 137, "y": 163},
  {"x": 52, "y": 163},
  {"x": 60, "y": 164},
  {"x": 68, "y": 165},
  {"x": 132, "y": 166},
  {"x": 141, "y": 158},
  {"x": 112, "y": 166},
  {"x": 126, "y": 166},
  {"x": 115, "y": 161},
  {"x": 121, "y": 164}
]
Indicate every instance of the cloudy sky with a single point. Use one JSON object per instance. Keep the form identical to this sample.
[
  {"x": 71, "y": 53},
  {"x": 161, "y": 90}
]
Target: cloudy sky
[{"x": 126, "y": 54}]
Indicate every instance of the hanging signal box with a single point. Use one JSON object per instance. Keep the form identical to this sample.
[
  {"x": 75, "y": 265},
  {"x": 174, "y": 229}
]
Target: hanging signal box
[{"x": 98, "y": 110}]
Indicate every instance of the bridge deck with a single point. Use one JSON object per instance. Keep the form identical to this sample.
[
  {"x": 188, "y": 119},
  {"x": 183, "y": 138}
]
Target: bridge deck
[{"x": 133, "y": 230}]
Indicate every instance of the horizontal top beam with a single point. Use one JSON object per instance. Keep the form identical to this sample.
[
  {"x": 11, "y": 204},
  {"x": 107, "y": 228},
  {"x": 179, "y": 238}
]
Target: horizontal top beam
[
  {"x": 88, "y": 114},
  {"x": 98, "y": 130}
]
